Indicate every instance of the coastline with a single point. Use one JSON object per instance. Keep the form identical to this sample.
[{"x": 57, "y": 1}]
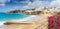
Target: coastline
[
  {"x": 24, "y": 19},
  {"x": 41, "y": 22}
]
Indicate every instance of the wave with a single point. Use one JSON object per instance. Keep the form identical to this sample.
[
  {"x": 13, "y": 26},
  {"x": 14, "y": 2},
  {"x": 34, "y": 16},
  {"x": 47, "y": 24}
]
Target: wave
[
  {"x": 2, "y": 22},
  {"x": 31, "y": 19}
]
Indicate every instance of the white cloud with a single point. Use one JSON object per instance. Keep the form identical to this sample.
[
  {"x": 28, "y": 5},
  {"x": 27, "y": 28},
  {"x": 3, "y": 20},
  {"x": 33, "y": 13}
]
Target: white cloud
[
  {"x": 9, "y": 0},
  {"x": 36, "y": 4},
  {"x": 55, "y": 3},
  {"x": 3, "y": 2}
]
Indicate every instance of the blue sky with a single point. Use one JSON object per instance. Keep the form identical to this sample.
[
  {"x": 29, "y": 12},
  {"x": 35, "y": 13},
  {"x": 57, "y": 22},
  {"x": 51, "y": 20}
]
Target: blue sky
[{"x": 9, "y": 5}]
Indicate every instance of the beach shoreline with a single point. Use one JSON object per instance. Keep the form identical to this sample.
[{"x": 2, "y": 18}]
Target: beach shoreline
[{"x": 43, "y": 22}]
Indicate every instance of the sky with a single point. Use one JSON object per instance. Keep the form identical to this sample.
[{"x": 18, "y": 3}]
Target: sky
[{"x": 9, "y": 5}]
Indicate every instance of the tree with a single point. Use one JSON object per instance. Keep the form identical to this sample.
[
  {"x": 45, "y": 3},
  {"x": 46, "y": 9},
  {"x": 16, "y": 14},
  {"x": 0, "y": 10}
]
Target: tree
[{"x": 33, "y": 9}]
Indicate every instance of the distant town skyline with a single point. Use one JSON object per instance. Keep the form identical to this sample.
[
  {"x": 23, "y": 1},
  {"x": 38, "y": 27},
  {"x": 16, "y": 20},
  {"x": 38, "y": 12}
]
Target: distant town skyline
[{"x": 9, "y": 5}]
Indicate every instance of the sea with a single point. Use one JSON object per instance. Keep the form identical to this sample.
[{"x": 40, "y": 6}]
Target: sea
[{"x": 6, "y": 17}]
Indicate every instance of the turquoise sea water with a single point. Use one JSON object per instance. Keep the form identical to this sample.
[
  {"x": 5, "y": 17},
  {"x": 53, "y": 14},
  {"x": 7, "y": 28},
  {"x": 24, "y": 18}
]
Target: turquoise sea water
[{"x": 4, "y": 16}]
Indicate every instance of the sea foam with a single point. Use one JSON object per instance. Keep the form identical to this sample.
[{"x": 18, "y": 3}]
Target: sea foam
[
  {"x": 30, "y": 19},
  {"x": 2, "y": 22}
]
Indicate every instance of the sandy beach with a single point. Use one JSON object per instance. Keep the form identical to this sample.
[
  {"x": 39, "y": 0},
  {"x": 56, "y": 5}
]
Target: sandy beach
[
  {"x": 29, "y": 14},
  {"x": 41, "y": 24}
]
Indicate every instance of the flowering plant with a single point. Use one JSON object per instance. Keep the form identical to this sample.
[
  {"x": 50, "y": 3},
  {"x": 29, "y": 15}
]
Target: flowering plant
[{"x": 54, "y": 22}]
